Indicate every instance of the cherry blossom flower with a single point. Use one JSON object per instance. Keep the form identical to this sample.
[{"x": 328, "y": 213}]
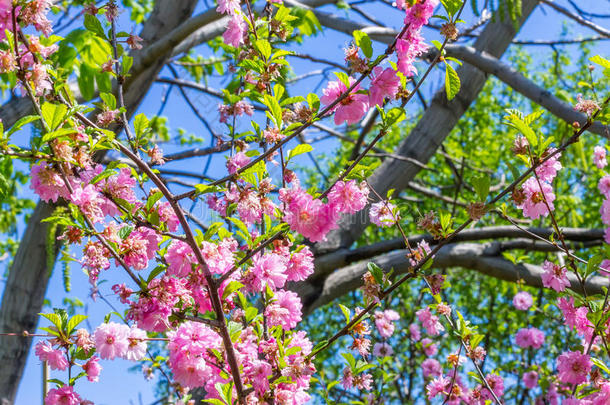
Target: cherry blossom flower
[
  {"x": 136, "y": 350},
  {"x": 111, "y": 340},
  {"x": 547, "y": 171},
  {"x": 431, "y": 367},
  {"x": 534, "y": 204},
  {"x": 237, "y": 161},
  {"x": 55, "y": 357},
  {"x": 236, "y": 28},
  {"x": 348, "y": 196},
  {"x": 382, "y": 350},
  {"x": 64, "y": 395},
  {"x": 384, "y": 83},
  {"x": 599, "y": 157},
  {"x": 382, "y": 213},
  {"x": 529, "y": 337},
  {"x": 285, "y": 310},
  {"x": 523, "y": 300},
  {"x": 228, "y": 6},
  {"x": 93, "y": 369},
  {"x": 351, "y": 108},
  {"x": 429, "y": 321},
  {"x": 437, "y": 386},
  {"x": 530, "y": 379},
  {"x": 554, "y": 276},
  {"x": 573, "y": 367}
]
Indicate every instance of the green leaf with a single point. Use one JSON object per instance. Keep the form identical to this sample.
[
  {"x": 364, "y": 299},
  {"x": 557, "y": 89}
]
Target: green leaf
[
  {"x": 364, "y": 42},
  {"x": 376, "y": 271},
  {"x": 263, "y": 47},
  {"x": 481, "y": 184},
  {"x": 275, "y": 109},
  {"x": 94, "y": 25},
  {"x": 314, "y": 102},
  {"x": 231, "y": 288},
  {"x": 452, "y": 82},
  {"x": 109, "y": 100},
  {"x": 299, "y": 150},
  {"x": 21, "y": 122},
  {"x": 516, "y": 121},
  {"x": 54, "y": 319},
  {"x": 74, "y": 322},
  {"x": 394, "y": 116},
  {"x": 599, "y": 60},
  {"x": 85, "y": 80},
  {"x": 452, "y": 6},
  {"x": 140, "y": 124},
  {"x": 53, "y": 114},
  {"x": 57, "y": 133},
  {"x": 346, "y": 313},
  {"x": 127, "y": 64}
]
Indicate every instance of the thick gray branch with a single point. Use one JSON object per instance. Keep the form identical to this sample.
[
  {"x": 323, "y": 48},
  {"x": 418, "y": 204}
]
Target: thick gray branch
[
  {"x": 342, "y": 257},
  {"x": 485, "y": 258}
]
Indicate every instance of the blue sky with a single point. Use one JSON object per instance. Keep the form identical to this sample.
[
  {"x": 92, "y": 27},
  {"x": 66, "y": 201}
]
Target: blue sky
[{"x": 117, "y": 386}]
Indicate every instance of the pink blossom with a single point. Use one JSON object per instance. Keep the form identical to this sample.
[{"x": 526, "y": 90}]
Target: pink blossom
[
  {"x": 547, "y": 171},
  {"x": 496, "y": 383},
  {"x": 530, "y": 337},
  {"x": 408, "y": 48},
  {"x": 430, "y": 348},
  {"x": 414, "y": 332},
  {"x": 47, "y": 183},
  {"x": 90, "y": 201},
  {"x": 431, "y": 367},
  {"x": 437, "y": 386},
  {"x": 604, "y": 211},
  {"x": 93, "y": 369},
  {"x": 348, "y": 197},
  {"x": 306, "y": 215},
  {"x": 228, "y": 6},
  {"x": 382, "y": 350},
  {"x": 384, "y": 83},
  {"x": 573, "y": 367},
  {"x": 429, "y": 321},
  {"x": 107, "y": 117},
  {"x": 189, "y": 348},
  {"x": 55, "y": 357},
  {"x": 137, "y": 344},
  {"x": 599, "y": 157},
  {"x": 534, "y": 204},
  {"x": 179, "y": 258},
  {"x": 351, "y": 108},
  {"x": 236, "y": 28},
  {"x": 554, "y": 276},
  {"x": 586, "y": 106},
  {"x": 382, "y": 213},
  {"x": 267, "y": 270},
  {"x": 139, "y": 247},
  {"x": 111, "y": 340},
  {"x": 530, "y": 379},
  {"x": 418, "y": 15},
  {"x": 258, "y": 372},
  {"x": 168, "y": 216},
  {"x": 237, "y": 161},
  {"x": 301, "y": 265},
  {"x": 523, "y": 300},
  {"x": 384, "y": 322},
  {"x": 604, "y": 185},
  {"x": 285, "y": 310},
  {"x": 64, "y": 395},
  {"x": 575, "y": 317}
]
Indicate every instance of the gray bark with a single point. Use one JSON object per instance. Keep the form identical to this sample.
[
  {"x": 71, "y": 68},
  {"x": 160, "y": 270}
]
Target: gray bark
[
  {"x": 484, "y": 258},
  {"x": 27, "y": 283}
]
